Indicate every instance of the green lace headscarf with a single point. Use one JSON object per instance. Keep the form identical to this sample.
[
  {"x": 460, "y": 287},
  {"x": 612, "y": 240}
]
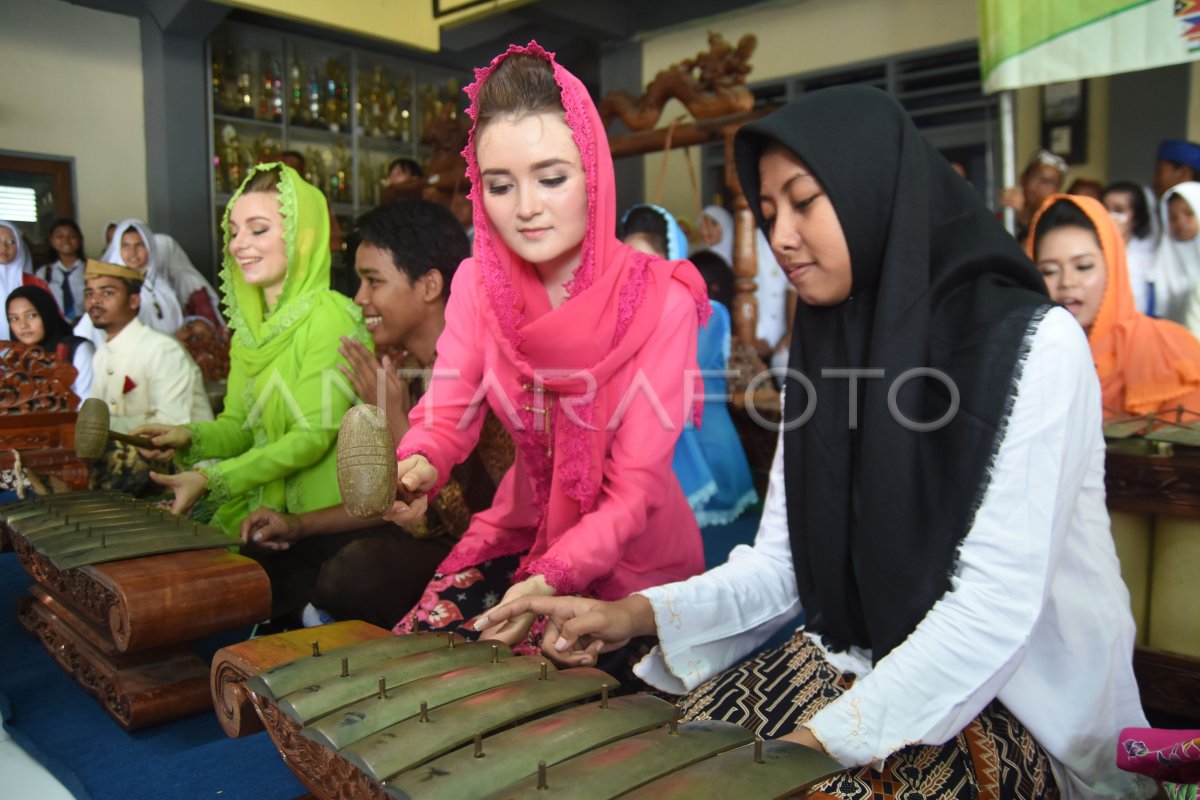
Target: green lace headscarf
[{"x": 261, "y": 336}]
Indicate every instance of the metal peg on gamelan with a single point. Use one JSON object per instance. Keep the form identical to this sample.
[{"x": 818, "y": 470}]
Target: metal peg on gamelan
[{"x": 479, "y": 745}]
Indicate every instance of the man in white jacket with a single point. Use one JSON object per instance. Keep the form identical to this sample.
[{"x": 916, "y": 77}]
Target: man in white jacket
[{"x": 144, "y": 376}]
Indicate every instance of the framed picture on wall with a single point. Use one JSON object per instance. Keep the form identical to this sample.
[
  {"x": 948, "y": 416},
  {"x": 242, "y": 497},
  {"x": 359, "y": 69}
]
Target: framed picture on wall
[{"x": 1064, "y": 120}]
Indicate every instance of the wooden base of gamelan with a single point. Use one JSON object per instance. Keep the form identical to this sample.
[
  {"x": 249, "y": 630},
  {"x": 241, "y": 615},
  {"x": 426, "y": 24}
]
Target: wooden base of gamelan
[
  {"x": 124, "y": 629},
  {"x": 1168, "y": 682},
  {"x": 137, "y": 690},
  {"x": 1168, "y": 490},
  {"x": 326, "y": 774},
  {"x": 233, "y": 664}
]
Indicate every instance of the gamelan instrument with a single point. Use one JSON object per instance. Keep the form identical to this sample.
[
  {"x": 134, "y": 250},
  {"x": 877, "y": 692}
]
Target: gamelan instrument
[
  {"x": 433, "y": 716},
  {"x": 123, "y": 588},
  {"x": 1153, "y": 495},
  {"x": 92, "y": 432}
]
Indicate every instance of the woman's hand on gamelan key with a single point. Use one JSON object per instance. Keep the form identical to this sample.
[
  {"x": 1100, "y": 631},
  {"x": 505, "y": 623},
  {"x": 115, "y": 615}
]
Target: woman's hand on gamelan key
[
  {"x": 578, "y": 629},
  {"x": 188, "y": 486},
  {"x": 363, "y": 374},
  {"x": 415, "y": 476},
  {"x": 168, "y": 439},
  {"x": 512, "y": 630},
  {"x": 269, "y": 529}
]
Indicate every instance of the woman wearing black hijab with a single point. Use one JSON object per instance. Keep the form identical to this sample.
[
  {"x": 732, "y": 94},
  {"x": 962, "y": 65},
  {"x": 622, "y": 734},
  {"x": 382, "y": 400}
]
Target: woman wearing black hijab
[
  {"x": 936, "y": 506},
  {"x": 33, "y": 318}
]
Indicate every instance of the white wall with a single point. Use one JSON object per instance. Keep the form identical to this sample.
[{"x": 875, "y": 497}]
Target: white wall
[{"x": 73, "y": 87}]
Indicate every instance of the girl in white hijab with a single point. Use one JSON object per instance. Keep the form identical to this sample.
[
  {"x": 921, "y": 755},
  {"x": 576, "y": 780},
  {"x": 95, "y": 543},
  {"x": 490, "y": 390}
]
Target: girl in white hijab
[
  {"x": 16, "y": 267},
  {"x": 1177, "y": 265},
  {"x": 196, "y": 295},
  {"x": 160, "y": 309},
  {"x": 716, "y": 232}
]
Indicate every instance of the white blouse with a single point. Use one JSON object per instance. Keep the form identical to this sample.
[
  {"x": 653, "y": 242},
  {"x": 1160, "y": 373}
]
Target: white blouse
[
  {"x": 1037, "y": 615},
  {"x": 83, "y": 360}
]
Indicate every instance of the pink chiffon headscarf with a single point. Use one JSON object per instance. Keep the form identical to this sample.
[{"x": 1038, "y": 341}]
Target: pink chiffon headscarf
[{"x": 615, "y": 302}]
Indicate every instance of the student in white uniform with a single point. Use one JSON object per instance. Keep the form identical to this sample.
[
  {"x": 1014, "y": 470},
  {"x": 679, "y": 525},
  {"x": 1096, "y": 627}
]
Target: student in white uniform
[
  {"x": 944, "y": 532},
  {"x": 65, "y": 275},
  {"x": 134, "y": 246}
]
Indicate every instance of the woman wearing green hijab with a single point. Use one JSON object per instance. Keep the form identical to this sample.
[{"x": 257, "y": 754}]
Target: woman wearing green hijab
[{"x": 276, "y": 436}]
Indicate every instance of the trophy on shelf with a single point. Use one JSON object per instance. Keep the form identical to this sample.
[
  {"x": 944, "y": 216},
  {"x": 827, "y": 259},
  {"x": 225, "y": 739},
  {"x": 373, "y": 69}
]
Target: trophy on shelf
[
  {"x": 270, "y": 98},
  {"x": 337, "y": 96},
  {"x": 439, "y": 106},
  {"x": 229, "y": 88},
  {"x": 246, "y": 89},
  {"x": 296, "y": 100}
]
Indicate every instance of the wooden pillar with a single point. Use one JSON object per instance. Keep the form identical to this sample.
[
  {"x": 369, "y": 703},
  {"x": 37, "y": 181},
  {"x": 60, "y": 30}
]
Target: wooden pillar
[{"x": 745, "y": 261}]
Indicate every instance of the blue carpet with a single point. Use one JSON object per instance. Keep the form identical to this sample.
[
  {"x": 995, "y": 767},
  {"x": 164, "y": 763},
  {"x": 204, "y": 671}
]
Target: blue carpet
[{"x": 67, "y": 731}]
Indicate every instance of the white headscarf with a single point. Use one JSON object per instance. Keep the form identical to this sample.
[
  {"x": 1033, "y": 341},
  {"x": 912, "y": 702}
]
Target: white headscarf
[
  {"x": 160, "y": 309},
  {"x": 724, "y": 246},
  {"x": 11, "y": 274},
  {"x": 1177, "y": 264},
  {"x": 177, "y": 269},
  {"x": 771, "y": 284}
]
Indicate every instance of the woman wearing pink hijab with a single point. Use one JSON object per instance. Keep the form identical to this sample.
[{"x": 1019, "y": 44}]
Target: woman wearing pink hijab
[{"x": 584, "y": 348}]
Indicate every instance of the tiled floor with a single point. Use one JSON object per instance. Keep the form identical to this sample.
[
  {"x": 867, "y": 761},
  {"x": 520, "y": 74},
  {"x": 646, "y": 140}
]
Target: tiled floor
[{"x": 24, "y": 778}]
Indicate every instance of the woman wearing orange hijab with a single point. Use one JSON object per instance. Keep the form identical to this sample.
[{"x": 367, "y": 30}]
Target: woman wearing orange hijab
[{"x": 1145, "y": 365}]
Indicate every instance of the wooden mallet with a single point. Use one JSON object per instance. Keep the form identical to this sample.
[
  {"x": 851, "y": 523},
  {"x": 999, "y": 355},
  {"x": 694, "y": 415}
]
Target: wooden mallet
[
  {"x": 366, "y": 463},
  {"x": 92, "y": 432}
]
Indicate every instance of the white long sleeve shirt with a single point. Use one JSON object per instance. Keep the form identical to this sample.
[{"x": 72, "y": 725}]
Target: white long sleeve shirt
[
  {"x": 1037, "y": 615},
  {"x": 148, "y": 377}
]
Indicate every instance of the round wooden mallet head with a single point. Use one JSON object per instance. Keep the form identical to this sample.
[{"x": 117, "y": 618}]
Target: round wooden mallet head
[
  {"x": 91, "y": 429},
  {"x": 366, "y": 463}
]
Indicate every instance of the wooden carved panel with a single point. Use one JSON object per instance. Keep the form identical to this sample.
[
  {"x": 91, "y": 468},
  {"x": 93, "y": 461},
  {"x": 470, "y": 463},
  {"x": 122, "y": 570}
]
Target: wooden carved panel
[
  {"x": 208, "y": 346},
  {"x": 324, "y": 772},
  {"x": 33, "y": 379},
  {"x": 712, "y": 84},
  {"x": 88, "y": 597},
  {"x": 1154, "y": 484}
]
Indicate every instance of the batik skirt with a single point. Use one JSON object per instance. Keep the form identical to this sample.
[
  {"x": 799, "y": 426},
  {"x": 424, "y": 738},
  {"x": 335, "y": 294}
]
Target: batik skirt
[{"x": 993, "y": 758}]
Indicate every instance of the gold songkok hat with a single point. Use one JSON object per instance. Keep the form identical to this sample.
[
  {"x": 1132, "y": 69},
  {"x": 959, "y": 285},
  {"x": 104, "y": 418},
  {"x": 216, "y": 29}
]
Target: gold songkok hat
[{"x": 95, "y": 269}]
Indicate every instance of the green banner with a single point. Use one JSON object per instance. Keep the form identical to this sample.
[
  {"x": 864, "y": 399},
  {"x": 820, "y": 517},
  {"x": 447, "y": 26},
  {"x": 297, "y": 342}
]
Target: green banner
[
  {"x": 1036, "y": 42},
  {"x": 1010, "y": 27}
]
